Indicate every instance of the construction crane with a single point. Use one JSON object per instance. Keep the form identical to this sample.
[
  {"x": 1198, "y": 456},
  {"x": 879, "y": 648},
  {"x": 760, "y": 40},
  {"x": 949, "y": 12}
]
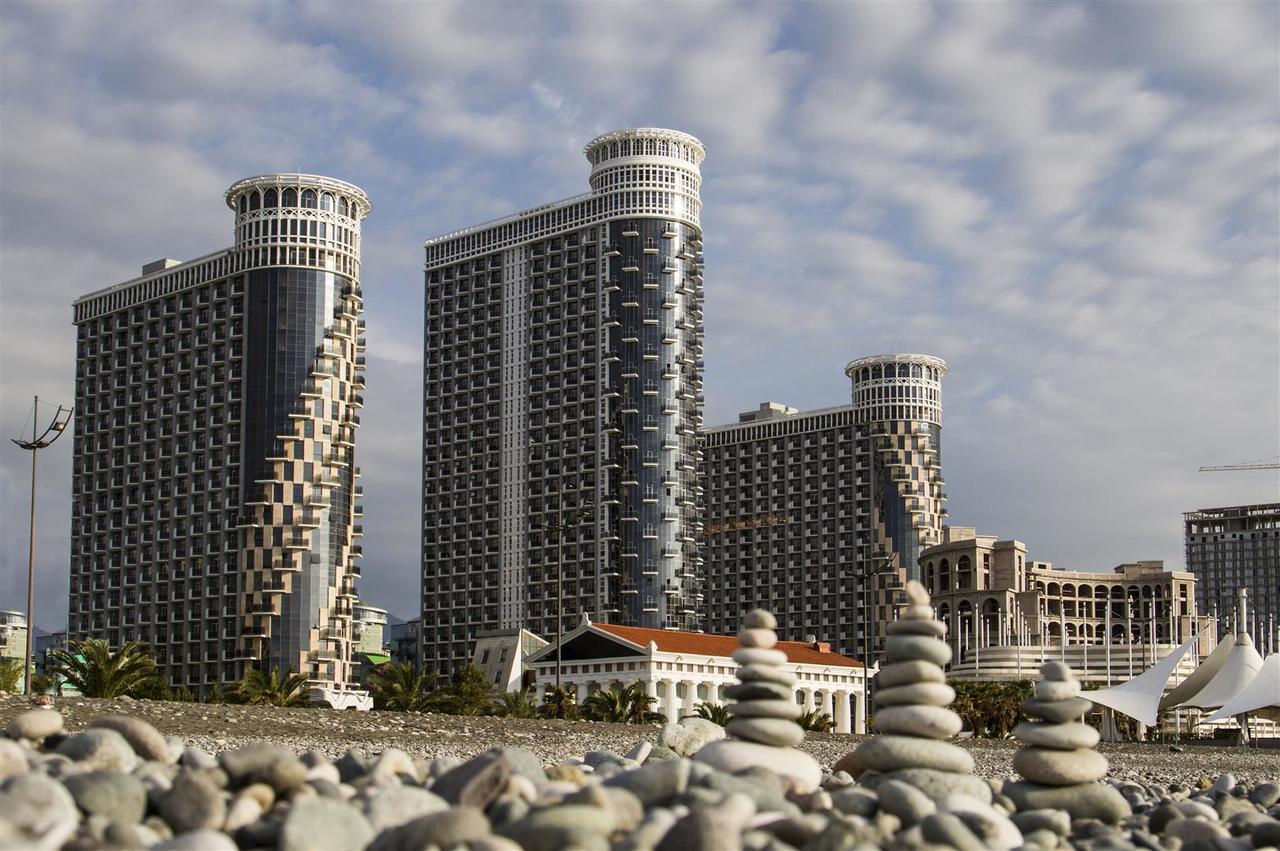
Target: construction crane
[{"x": 1272, "y": 463}]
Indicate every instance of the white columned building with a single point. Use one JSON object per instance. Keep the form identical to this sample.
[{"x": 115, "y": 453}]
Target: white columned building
[{"x": 683, "y": 669}]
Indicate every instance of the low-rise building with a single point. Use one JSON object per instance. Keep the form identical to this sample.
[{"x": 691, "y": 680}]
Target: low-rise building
[
  {"x": 368, "y": 629},
  {"x": 13, "y": 639},
  {"x": 502, "y": 655},
  {"x": 1006, "y": 613},
  {"x": 402, "y": 641},
  {"x": 682, "y": 669}
]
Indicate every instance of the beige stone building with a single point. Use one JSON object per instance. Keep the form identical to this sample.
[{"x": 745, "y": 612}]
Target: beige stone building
[{"x": 1005, "y": 612}]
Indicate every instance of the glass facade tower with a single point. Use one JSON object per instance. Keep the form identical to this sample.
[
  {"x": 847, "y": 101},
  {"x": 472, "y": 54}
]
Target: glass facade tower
[
  {"x": 214, "y": 491},
  {"x": 563, "y": 371}
]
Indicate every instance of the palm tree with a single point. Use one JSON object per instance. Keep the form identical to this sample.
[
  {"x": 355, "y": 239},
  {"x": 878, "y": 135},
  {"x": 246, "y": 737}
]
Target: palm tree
[
  {"x": 95, "y": 671},
  {"x": 560, "y": 702},
  {"x": 271, "y": 689},
  {"x": 717, "y": 713},
  {"x": 626, "y": 705},
  {"x": 816, "y": 721},
  {"x": 398, "y": 687},
  {"x": 516, "y": 704}
]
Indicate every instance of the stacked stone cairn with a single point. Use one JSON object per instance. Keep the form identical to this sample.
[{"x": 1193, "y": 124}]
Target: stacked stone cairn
[
  {"x": 763, "y": 732},
  {"x": 1061, "y": 770},
  {"x": 912, "y": 714}
]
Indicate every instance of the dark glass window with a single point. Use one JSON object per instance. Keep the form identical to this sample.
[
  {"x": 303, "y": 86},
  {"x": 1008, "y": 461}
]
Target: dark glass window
[
  {"x": 253, "y": 200},
  {"x": 270, "y": 199},
  {"x": 309, "y": 199},
  {"x": 290, "y": 198},
  {"x": 244, "y": 203}
]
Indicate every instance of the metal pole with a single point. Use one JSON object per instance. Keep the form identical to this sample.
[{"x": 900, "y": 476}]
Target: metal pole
[
  {"x": 31, "y": 555},
  {"x": 559, "y": 588}
]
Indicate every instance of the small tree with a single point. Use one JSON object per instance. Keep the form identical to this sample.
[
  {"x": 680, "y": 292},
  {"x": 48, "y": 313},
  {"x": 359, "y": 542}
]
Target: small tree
[
  {"x": 42, "y": 683},
  {"x": 515, "y": 704},
  {"x": 95, "y": 671},
  {"x": 717, "y": 713},
  {"x": 396, "y": 686},
  {"x": 10, "y": 674},
  {"x": 270, "y": 689},
  {"x": 469, "y": 692}
]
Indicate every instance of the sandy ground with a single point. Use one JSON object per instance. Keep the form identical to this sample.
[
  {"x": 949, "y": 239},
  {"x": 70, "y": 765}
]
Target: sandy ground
[{"x": 217, "y": 727}]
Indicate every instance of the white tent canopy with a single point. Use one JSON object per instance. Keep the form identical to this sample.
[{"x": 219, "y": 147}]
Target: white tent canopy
[
  {"x": 1201, "y": 676},
  {"x": 1241, "y": 666},
  {"x": 1140, "y": 697},
  {"x": 1262, "y": 693}
]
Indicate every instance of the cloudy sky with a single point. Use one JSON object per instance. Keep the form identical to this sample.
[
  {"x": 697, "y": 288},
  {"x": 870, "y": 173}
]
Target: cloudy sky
[{"x": 1075, "y": 204}]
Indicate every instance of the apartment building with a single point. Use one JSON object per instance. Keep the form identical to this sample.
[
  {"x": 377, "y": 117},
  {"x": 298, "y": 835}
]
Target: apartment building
[
  {"x": 1233, "y": 548},
  {"x": 821, "y": 515},
  {"x": 562, "y": 392},
  {"x": 215, "y": 501}
]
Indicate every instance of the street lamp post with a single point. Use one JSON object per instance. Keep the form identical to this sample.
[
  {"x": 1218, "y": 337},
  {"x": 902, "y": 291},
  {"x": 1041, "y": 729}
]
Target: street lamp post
[
  {"x": 563, "y": 520},
  {"x": 39, "y": 440},
  {"x": 869, "y": 573}
]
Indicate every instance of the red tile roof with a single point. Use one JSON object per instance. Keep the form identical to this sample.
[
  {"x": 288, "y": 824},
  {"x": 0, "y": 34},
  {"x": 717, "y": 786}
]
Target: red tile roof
[{"x": 670, "y": 641}]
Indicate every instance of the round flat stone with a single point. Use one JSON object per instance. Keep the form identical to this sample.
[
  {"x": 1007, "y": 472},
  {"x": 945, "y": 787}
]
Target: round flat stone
[
  {"x": 1056, "y": 670},
  {"x": 34, "y": 724},
  {"x": 1059, "y": 768},
  {"x": 904, "y": 648},
  {"x": 766, "y": 673},
  {"x": 1056, "y": 689},
  {"x": 926, "y": 694},
  {"x": 916, "y": 593},
  {"x": 917, "y": 627},
  {"x": 1058, "y": 711},
  {"x": 778, "y": 732},
  {"x": 905, "y": 801},
  {"x": 766, "y": 709},
  {"x": 145, "y": 740},
  {"x": 1067, "y": 737},
  {"x": 917, "y": 613},
  {"x": 934, "y": 722},
  {"x": 734, "y": 756},
  {"x": 757, "y": 638},
  {"x": 938, "y": 785},
  {"x": 889, "y": 753},
  {"x": 1087, "y": 800},
  {"x": 759, "y": 619},
  {"x": 759, "y": 656},
  {"x": 760, "y": 690},
  {"x": 905, "y": 673}
]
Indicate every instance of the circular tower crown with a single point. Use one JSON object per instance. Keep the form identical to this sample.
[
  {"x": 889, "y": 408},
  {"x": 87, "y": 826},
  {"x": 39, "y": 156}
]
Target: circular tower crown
[
  {"x": 299, "y": 220},
  {"x": 897, "y": 387},
  {"x": 649, "y": 158}
]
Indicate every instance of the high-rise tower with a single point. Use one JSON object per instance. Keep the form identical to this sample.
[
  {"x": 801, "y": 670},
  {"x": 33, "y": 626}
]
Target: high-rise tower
[
  {"x": 897, "y": 408},
  {"x": 214, "y": 497},
  {"x": 820, "y": 515},
  {"x": 563, "y": 370}
]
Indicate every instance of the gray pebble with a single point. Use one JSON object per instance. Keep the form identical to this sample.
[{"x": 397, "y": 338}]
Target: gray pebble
[
  {"x": 34, "y": 724},
  {"x": 145, "y": 740},
  {"x": 119, "y": 797},
  {"x": 193, "y": 803},
  {"x": 321, "y": 824},
  {"x": 99, "y": 749}
]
